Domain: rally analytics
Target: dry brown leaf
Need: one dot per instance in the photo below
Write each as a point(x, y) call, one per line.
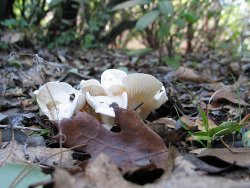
point(240, 156)
point(14, 152)
point(187, 74)
point(132, 148)
point(192, 122)
point(103, 174)
point(227, 95)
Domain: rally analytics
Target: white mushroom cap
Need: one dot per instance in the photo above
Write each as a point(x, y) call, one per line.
point(101, 104)
point(146, 89)
point(116, 90)
point(112, 77)
point(93, 87)
point(59, 100)
point(85, 83)
point(160, 97)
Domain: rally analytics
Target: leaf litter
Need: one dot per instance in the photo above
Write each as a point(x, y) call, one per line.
point(191, 91)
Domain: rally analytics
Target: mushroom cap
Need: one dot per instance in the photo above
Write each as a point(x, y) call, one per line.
point(116, 90)
point(112, 77)
point(85, 83)
point(59, 100)
point(93, 87)
point(160, 97)
point(101, 104)
point(146, 89)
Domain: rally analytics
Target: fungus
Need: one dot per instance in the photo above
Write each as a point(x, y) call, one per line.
point(59, 100)
point(102, 106)
point(144, 89)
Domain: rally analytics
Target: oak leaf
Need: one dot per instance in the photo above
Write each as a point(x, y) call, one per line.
point(134, 147)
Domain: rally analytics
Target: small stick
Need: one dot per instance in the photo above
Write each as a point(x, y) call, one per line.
point(20, 128)
point(139, 106)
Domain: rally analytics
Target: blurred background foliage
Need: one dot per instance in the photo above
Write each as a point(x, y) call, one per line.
point(170, 26)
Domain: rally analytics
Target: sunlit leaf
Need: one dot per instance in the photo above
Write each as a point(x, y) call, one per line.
point(128, 4)
point(190, 17)
point(147, 19)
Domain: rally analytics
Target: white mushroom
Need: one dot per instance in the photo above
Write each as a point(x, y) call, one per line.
point(101, 105)
point(112, 77)
point(85, 83)
point(59, 100)
point(144, 89)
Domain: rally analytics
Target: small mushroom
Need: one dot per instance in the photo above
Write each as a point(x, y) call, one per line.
point(144, 89)
point(59, 100)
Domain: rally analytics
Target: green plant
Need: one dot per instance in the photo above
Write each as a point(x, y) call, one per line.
point(211, 134)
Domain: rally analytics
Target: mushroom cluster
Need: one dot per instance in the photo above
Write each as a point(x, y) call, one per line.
point(59, 100)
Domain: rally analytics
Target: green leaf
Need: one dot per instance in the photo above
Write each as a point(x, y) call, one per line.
point(54, 3)
point(246, 139)
point(190, 17)
point(11, 172)
point(200, 137)
point(128, 4)
point(164, 30)
point(166, 7)
point(224, 129)
point(180, 23)
point(147, 19)
point(173, 62)
point(204, 119)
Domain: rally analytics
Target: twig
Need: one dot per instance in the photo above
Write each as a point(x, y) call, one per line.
point(139, 106)
point(20, 128)
point(4, 93)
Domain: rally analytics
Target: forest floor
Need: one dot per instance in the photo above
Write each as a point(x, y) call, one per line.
point(205, 89)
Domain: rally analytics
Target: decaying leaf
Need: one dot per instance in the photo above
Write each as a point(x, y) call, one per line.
point(14, 152)
point(192, 122)
point(238, 156)
point(134, 147)
point(227, 95)
point(103, 174)
point(187, 74)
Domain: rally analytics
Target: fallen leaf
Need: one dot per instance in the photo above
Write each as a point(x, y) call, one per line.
point(227, 95)
point(239, 156)
point(187, 74)
point(14, 152)
point(132, 148)
point(10, 174)
point(170, 136)
point(193, 122)
point(102, 173)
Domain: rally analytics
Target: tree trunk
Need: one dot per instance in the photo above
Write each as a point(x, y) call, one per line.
point(65, 17)
point(6, 9)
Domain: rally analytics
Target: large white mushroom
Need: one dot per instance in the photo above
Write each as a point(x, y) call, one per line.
point(59, 100)
point(146, 90)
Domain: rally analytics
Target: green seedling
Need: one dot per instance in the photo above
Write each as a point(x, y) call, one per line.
point(211, 134)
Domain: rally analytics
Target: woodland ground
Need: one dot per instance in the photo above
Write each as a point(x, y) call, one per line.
point(216, 83)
